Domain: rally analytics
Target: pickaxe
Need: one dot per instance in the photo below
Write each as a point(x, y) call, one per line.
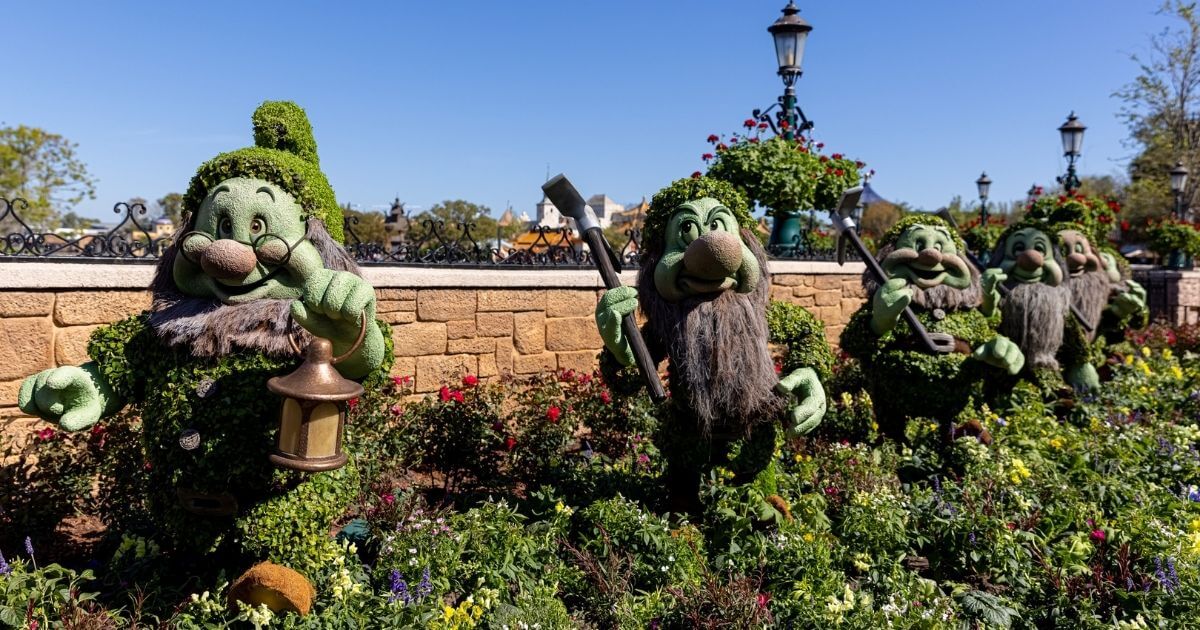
point(946, 216)
point(567, 199)
point(936, 343)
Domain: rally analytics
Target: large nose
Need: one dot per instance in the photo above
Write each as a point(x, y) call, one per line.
point(1030, 260)
point(227, 259)
point(929, 257)
point(714, 256)
point(1076, 261)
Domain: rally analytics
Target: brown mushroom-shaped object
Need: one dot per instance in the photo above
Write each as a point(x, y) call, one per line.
point(280, 588)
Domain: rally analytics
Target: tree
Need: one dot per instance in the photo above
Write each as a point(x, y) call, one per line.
point(878, 217)
point(454, 214)
point(171, 206)
point(369, 228)
point(42, 168)
point(1160, 110)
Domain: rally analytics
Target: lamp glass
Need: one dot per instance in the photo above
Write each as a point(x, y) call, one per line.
point(323, 430)
point(984, 185)
point(289, 426)
point(789, 47)
point(1179, 177)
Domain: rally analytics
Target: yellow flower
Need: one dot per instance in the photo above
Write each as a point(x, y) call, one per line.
point(1146, 352)
point(808, 537)
point(559, 508)
point(797, 458)
point(1145, 368)
point(1019, 472)
point(1176, 372)
point(1167, 354)
point(1056, 442)
point(1129, 359)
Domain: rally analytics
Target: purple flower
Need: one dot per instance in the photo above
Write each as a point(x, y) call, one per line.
point(399, 589)
point(28, 547)
point(971, 538)
point(4, 568)
point(425, 587)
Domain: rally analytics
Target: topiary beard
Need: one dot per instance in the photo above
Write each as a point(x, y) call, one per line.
point(1033, 315)
point(209, 328)
point(1089, 294)
point(717, 344)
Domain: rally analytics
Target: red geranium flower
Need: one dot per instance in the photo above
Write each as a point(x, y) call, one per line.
point(696, 175)
point(553, 414)
point(457, 395)
point(749, 122)
point(510, 443)
point(352, 403)
point(444, 394)
point(762, 125)
point(753, 140)
point(46, 434)
point(820, 145)
point(706, 157)
point(470, 380)
point(713, 138)
point(1098, 536)
point(605, 397)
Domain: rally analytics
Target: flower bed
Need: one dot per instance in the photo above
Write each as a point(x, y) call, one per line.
point(540, 504)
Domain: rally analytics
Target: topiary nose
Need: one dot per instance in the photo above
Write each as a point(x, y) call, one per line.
point(929, 257)
point(228, 259)
point(1076, 261)
point(1030, 260)
point(714, 256)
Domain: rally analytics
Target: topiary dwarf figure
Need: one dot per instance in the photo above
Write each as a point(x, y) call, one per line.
point(703, 286)
point(1036, 313)
point(260, 249)
point(1127, 308)
point(926, 269)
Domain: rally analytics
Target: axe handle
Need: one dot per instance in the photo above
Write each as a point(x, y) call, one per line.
point(881, 278)
point(1004, 291)
point(599, 247)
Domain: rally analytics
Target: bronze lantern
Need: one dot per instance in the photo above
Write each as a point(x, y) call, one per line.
point(313, 415)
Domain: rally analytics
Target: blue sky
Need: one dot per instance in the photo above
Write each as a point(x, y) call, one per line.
point(472, 100)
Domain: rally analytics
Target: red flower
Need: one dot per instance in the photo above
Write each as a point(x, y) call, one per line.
point(763, 600)
point(553, 414)
point(778, 368)
point(749, 122)
point(352, 403)
point(444, 394)
point(470, 380)
point(733, 140)
point(859, 164)
point(397, 410)
point(783, 124)
point(457, 396)
point(388, 499)
point(1098, 536)
point(510, 443)
point(837, 156)
point(706, 157)
point(820, 145)
point(46, 434)
point(605, 397)
point(696, 175)
point(824, 159)
point(839, 172)
point(566, 376)
point(712, 138)
point(401, 381)
point(585, 378)
point(831, 491)
point(753, 140)
point(762, 125)
point(721, 147)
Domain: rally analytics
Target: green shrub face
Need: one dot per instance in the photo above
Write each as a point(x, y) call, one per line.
point(1030, 239)
point(927, 256)
point(250, 226)
point(699, 226)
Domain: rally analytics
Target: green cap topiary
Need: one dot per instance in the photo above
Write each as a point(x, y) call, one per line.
point(681, 191)
point(907, 221)
point(285, 154)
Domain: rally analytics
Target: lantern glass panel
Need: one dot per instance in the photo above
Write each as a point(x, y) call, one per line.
point(1178, 179)
point(789, 47)
point(289, 426)
point(984, 187)
point(1072, 140)
point(323, 431)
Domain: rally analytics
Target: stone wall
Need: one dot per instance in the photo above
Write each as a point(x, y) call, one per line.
point(1173, 295)
point(444, 321)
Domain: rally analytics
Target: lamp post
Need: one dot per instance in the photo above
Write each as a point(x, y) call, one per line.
point(983, 184)
point(1071, 133)
point(790, 33)
point(1179, 177)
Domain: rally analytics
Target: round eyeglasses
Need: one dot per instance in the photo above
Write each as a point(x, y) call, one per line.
point(269, 249)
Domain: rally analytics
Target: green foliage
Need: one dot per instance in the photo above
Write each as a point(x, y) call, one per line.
point(980, 238)
point(43, 169)
point(803, 336)
point(50, 596)
point(1094, 216)
point(681, 191)
point(784, 174)
point(447, 220)
point(461, 434)
point(1170, 235)
point(283, 126)
point(908, 221)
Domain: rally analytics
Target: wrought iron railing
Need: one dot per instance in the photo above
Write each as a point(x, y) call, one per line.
point(436, 243)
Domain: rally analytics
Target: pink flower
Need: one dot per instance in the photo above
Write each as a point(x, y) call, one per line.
point(605, 397)
point(1098, 536)
point(46, 434)
point(444, 394)
point(470, 380)
point(643, 458)
point(401, 381)
point(457, 396)
point(397, 410)
point(763, 600)
point(388, 499)
point(553, 414)
point(352, 403)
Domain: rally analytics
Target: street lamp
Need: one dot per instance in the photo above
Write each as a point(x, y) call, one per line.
point(790, 33)
point(983, 184)
point(1179, 177)
point(1072, 142)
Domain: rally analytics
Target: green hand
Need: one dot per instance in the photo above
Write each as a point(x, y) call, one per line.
point(990, 282)
point(889, 302)
point(613, 306)
point(75, 397)
point(1001, 352)
point(1083, 377)
point(333, 305)
point(1129, 302)
point(805, 386)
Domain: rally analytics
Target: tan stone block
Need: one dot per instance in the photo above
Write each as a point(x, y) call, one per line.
point(435, 371)
point(804, 291)
point(26, 346)
point(853, 288)
point(9, 391)
point(404, 317)
point(404, 366)
point(807, 301)
point(98, 307)
point(585, 361)
point(397, 294)
point(783, 294)
point(443, 305)
point(487, 366)
point(535, 363)
point(464, 329)
point(850, 306)
point(504, 355)
point(829, 298)
point(472, 346)
point(827, 282)
point(562, 303)
point(418, 338)
point(833, 335)
point(787, 280)
point(510, 300)
point(70, 344)
point(831, 315)
point(529, 332)
point(395, 306)
point(494, 324)
point(572, 333)
point(25, 304)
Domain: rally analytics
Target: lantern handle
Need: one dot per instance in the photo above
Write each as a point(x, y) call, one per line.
point(362, 334)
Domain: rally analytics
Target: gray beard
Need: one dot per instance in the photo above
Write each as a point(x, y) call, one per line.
point(942, 296)
point(1089, 294)
point(718, 350)
point(1033, 315)
point(206, 327)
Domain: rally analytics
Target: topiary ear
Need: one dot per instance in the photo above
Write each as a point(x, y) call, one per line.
point(282, 125)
